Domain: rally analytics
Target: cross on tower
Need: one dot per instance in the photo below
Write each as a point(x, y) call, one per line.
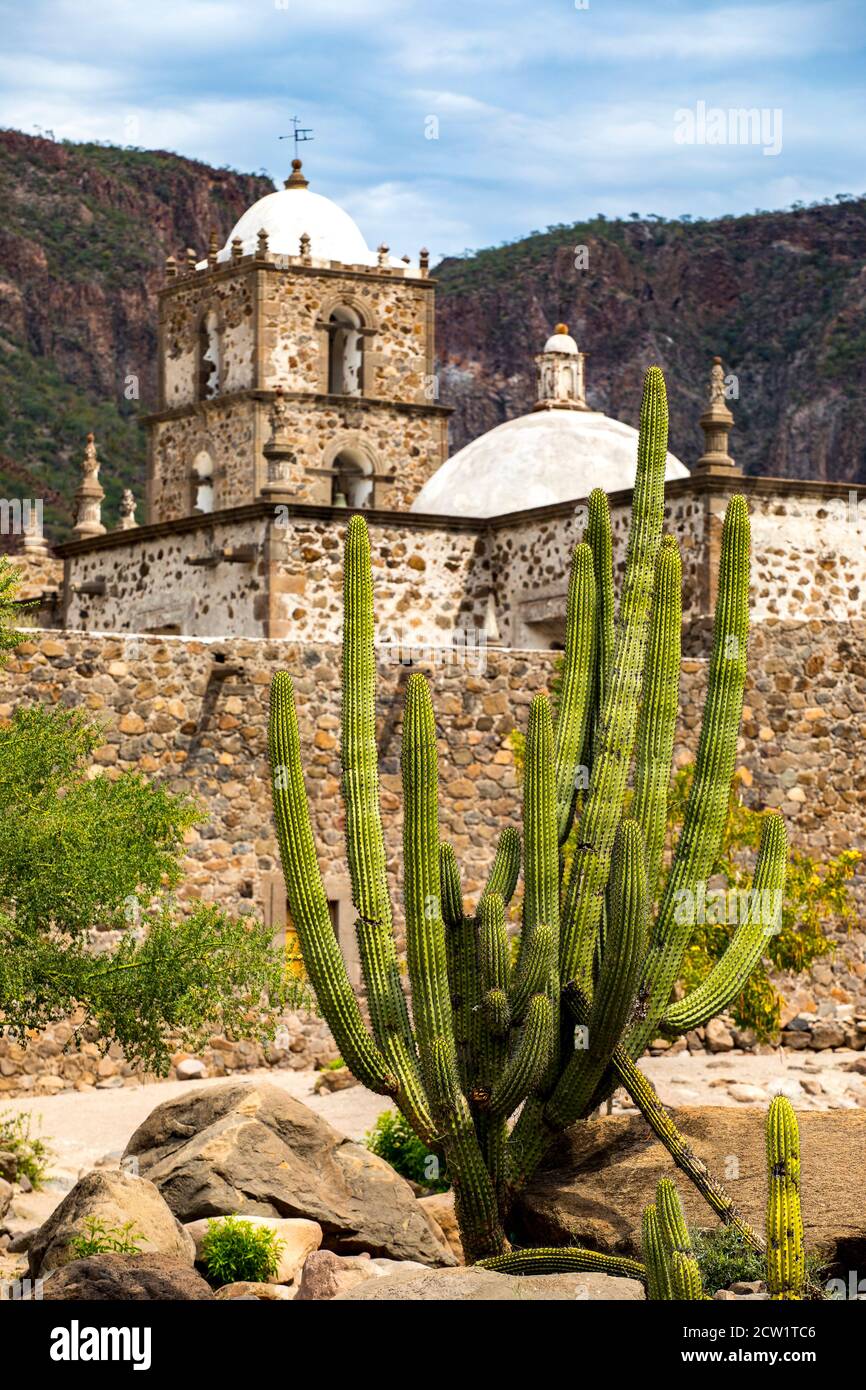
point(299, 134)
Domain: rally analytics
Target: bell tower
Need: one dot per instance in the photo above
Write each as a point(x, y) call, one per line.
point(294, 361)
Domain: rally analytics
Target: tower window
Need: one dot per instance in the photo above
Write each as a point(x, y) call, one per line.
point(209, 357)
point(202, 483)
point(345, 353)
point(352, 485)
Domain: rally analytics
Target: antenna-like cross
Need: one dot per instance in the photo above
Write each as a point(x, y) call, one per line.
point(299, 134)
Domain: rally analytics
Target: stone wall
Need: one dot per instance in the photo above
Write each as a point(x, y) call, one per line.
point(194, 712)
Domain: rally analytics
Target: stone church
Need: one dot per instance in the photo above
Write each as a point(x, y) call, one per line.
point(297, 382)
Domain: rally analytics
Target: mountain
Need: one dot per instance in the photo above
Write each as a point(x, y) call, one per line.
point(85, 232)
point(780, 296)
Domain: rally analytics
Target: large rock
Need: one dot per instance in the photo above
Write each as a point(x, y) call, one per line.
point(439, 1211)
point(326, 1275)
point(481, 1286)
point(597, 1180)
point(112, 1199)
point(7, 1192)
point(252, 1148)
point(125, 1278)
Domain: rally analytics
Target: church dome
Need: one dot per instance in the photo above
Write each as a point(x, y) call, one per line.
point(292, 211)
point(557, 453)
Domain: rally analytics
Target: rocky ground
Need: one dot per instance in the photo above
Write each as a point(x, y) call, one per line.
point(268, 1125)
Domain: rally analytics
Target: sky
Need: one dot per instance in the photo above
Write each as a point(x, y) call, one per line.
point(461, 125)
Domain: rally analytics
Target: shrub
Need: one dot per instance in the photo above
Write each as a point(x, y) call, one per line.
point(393, 1139)
point(31, 1154)
point(235, 1251)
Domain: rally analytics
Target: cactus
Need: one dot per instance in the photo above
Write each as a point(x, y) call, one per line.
point(671, 1268)
point(489, 1038)
point(786, 1267)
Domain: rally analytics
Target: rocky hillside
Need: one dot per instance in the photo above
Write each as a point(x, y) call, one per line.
point(781, 296)
point(84, 234)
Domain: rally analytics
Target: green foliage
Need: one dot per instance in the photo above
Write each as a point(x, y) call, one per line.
point(80, 852)
point(99, 1239)
point(393, 1139)
point(31, 1153)
point(234, 1251)
point(724, 1257)
point(817, 900)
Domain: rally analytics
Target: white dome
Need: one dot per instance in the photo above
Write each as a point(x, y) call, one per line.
point(560, 342)
point(546, 457)
point(288, 213)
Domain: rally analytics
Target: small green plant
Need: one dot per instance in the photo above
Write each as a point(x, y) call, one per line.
point(337, 1065)
point(99, 1239)
point(393, 1139)
point(30, 1153)
point(724, 1257)
point(234, 1250)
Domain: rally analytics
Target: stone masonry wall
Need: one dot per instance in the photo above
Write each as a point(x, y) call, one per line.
point(194, 712)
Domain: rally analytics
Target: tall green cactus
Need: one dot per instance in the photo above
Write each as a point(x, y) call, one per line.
point(548, 1036)
point(786, 1265)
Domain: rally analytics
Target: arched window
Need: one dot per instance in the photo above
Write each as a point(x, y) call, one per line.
point(209, 353)
point(345, 353)
point(352, 485)
point(202, 482)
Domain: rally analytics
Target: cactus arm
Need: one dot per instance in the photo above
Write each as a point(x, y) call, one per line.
point(785, 1260)
point(574, 1260)
point(686, 1281)
point(527, 1066)
point(474, 1193)
point(655, 1258)
point(600, 541)
point(657, 719)
point(618, 723)
point(645, 1097)
point(452, 893)
point(615, 994)
point(308, 904)
point(506, 866)
point(574, 708)
point(707, 807)
point(760, 920)
point(541, 843)
point(533, 971)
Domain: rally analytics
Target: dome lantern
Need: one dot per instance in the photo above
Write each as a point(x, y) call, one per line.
point(559, 373)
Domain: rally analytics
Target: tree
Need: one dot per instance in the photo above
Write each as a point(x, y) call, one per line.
point(80, 852)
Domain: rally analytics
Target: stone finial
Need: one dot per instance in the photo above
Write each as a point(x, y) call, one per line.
point(306, 244)
point(424, 260)
point(191, 259)
point(89, 496)
point(262, 244)
point(296, 178)
point(716, 423)
point(382, 254)
point(237, 248)
point(127, 511)
point(213, 247)
point(33, 543)
point(170, 268)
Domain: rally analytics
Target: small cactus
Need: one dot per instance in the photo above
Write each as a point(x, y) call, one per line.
point(786, 1265)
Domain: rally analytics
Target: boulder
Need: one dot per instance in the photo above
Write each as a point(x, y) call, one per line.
point(265, 1293)
point(7, 1192)
point(598, 1178)
point(251, 1148)
point(299, 1239)
point(439, 1210)
point(113, 1199)
point(482, 1286)
point(126, 1278)
point(326, 1275)
point(334, 1079)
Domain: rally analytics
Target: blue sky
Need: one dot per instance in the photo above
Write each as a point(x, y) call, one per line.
point(544, 111)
